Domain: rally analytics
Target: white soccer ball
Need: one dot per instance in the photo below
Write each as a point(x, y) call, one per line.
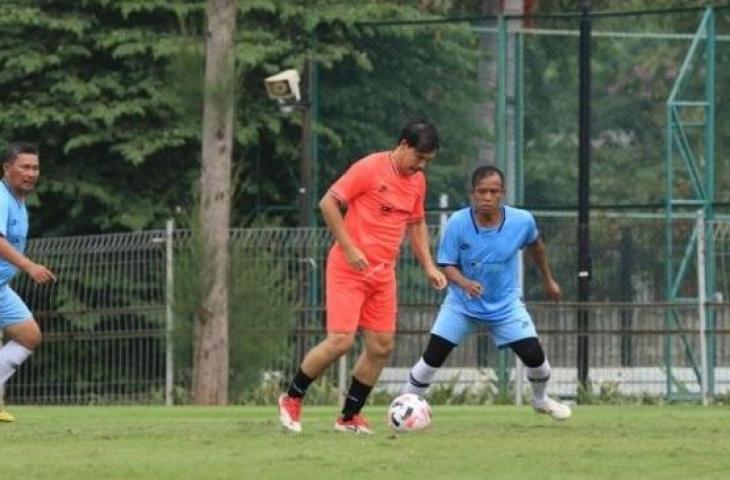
point(409, 413)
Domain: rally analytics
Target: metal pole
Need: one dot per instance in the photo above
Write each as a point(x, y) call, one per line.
point(626, 271)
point(584, 134)
point(307, 107)
point(313, 118)
point(501, 107)
point(702, 302)
point(342, 377)
point(305, 180)
point(711, 278)
point(443, 215)
point(519, 182)
point(169, 314)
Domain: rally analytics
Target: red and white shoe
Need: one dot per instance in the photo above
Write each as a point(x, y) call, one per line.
point(290, 411)
point(357, 424)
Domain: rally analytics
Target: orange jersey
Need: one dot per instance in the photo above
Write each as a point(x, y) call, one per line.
point(380, 204)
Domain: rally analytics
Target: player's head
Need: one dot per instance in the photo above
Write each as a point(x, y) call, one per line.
point(421, 135)
point(487, 188)
point(417, 145)
point(20, 167)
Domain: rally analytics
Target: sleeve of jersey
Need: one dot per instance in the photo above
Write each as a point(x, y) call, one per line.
point(532, 232)
point(4, 211)
point(418, 210)
point(353, 182)
point(448, 253)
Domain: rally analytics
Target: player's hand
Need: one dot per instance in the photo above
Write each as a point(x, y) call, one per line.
point(437, 278)
point(40, 274)
point(356, 259)
point(473, 289)
point(552, 290)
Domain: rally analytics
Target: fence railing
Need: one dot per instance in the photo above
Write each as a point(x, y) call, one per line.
point(106, 340)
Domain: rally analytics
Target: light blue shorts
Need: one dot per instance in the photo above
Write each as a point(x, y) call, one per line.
point(454, 326)
point(12, 309)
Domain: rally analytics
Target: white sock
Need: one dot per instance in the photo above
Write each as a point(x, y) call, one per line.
point(11, 356)
point(419, 378)
point(539, 377)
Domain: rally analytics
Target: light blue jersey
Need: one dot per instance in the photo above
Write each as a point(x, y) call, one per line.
point(490, 257)
point(14, 227)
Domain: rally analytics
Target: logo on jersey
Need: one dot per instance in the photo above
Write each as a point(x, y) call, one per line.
point(464, 246)
point(383, 188)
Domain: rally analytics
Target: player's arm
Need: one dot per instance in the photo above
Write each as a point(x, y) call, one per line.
point(421, 245)
point(471, 287)
point(331, 208)
point(539, 255)
point(37, 272)
point(449, 258)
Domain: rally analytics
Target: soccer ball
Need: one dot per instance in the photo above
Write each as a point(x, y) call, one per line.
point(409, 413)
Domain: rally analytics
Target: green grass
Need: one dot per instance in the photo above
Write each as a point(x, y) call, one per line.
point(466, 442)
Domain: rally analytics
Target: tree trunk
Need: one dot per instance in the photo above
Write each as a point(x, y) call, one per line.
point(210, 377)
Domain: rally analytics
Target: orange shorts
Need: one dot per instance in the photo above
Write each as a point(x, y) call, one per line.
point(364, 299)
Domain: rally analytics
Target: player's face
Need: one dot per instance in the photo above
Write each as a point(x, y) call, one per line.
point(22, 173)
point(411, 160)
point(488, 193)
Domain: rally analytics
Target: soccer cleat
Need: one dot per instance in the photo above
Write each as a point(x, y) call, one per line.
point(290, 410)
point(357, 424)
point(6, 417)
point(557, 410)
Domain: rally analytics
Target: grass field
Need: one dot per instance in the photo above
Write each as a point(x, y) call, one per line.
point(474, 442)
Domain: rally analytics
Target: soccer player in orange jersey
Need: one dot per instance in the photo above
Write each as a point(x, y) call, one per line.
point(382, 195)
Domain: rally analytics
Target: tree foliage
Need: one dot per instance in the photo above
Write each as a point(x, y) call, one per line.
point(111, 90)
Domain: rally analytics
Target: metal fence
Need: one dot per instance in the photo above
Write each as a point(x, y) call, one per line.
point(106, 337)
point(103, 322)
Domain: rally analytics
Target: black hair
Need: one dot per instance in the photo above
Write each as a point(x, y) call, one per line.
point(485, 171)
point(15, 149)
point(421, 135)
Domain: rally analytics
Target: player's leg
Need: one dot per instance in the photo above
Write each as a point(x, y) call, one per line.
point(344, 300)
point(24, 338)
point(378, 327)
point(377, 347)
point(518, 333)
point(318, 359)
point(532, 355)
point(21, 335)
point(447, 332)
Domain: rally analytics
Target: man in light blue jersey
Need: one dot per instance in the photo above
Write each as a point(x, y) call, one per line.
point(479, 255)
point(20, 175)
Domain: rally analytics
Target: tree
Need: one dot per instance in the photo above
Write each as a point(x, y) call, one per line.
point(210, 378)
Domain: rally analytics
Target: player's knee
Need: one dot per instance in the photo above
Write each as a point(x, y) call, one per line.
point(28, 336)
point(382, 347)
point(529, 351)
point(34, 341)
point(339, 344)
point(534, 358)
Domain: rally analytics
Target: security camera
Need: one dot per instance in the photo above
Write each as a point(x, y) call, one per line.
point(284, 87)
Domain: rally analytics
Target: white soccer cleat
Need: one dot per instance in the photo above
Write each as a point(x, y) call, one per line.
point(557, 410)
point(290, 410)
